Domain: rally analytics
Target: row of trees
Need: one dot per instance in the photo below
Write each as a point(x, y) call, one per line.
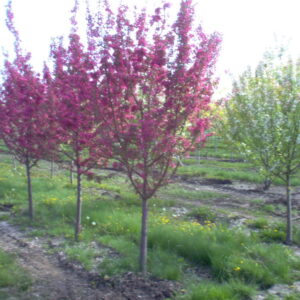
point(262, 120)
point(136, 94)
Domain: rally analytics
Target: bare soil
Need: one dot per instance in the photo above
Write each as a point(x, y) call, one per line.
point(56, 279)
point(241, 195)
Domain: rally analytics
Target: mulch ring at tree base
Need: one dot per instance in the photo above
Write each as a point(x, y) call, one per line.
point(131, 286)
point(134, 286)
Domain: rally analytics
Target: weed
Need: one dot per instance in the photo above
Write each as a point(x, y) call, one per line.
point(270, 208)
point(257, 201)
point(203, 213)
point(82, 253)
point(258, 223)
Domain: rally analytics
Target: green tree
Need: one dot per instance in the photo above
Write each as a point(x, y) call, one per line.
point(262, 120)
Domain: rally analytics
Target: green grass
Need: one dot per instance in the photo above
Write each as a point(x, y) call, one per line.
point(218, 173)
point(82, 253)
point(258, 223)
point(230, 254)
point(203, 213)
point(183, 193)
point(11, 275)
point(215, 147)
point(293, 296)
point(271, 232)
point(231, 174)
point(219, 164)
point(231, 290)
point(238, 263)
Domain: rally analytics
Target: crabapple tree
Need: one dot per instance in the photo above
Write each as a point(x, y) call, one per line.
point(156, 85)
point(23, 110)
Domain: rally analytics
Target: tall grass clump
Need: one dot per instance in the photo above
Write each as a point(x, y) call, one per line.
point(12, 275)
point(230, 254)
point(232, 290)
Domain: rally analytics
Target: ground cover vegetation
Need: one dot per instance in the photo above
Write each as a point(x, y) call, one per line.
point(186, 243)
point(128, 112)
point(11, 275)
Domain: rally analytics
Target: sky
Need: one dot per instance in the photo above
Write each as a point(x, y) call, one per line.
point(248, 28)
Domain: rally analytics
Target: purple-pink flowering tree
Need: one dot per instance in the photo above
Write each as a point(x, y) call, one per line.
point(73, 89)
point(23, 110)
point(156, 84)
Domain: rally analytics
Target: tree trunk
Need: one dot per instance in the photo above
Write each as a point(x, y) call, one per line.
point(71, 172)
point(180, 162)
point(267, 184)
point(78, 208)
point(289, 237)
point(144, 238)
point(30, 204)
point(51, 169)
point(14, 163)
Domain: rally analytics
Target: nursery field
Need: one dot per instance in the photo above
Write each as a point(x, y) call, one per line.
point(214, 233)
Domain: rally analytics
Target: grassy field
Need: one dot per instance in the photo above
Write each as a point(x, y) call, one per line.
point(190, 240)
point(12, 276)
point(216, 161)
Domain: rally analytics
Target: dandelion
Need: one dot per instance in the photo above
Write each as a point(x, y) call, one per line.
point(237, 269)
point(165, 220)
point(87, 217)
point(50, 201)
point(94, 223)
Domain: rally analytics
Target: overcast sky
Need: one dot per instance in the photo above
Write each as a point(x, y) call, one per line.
point(248, 27)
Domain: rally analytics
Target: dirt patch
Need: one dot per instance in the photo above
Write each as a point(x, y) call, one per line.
point(241, 196)
point(217, 181)
point(53, 279)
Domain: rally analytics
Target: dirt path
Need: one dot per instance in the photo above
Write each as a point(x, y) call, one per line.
point(54, 279)
point(240, 194)
point(50, 280)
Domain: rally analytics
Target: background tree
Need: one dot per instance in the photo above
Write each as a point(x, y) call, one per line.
point(73, 89)
point(23, 110)
point(156, 83)
point(262, 120)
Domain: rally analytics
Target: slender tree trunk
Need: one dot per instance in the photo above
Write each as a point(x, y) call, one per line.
point(79, 204)
point(289, 237)
point(267, 184)
point(29, 188)
point(14, 163)
point(51, 169)
point(144, 238)
point(71, 172)
point(180, 161)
